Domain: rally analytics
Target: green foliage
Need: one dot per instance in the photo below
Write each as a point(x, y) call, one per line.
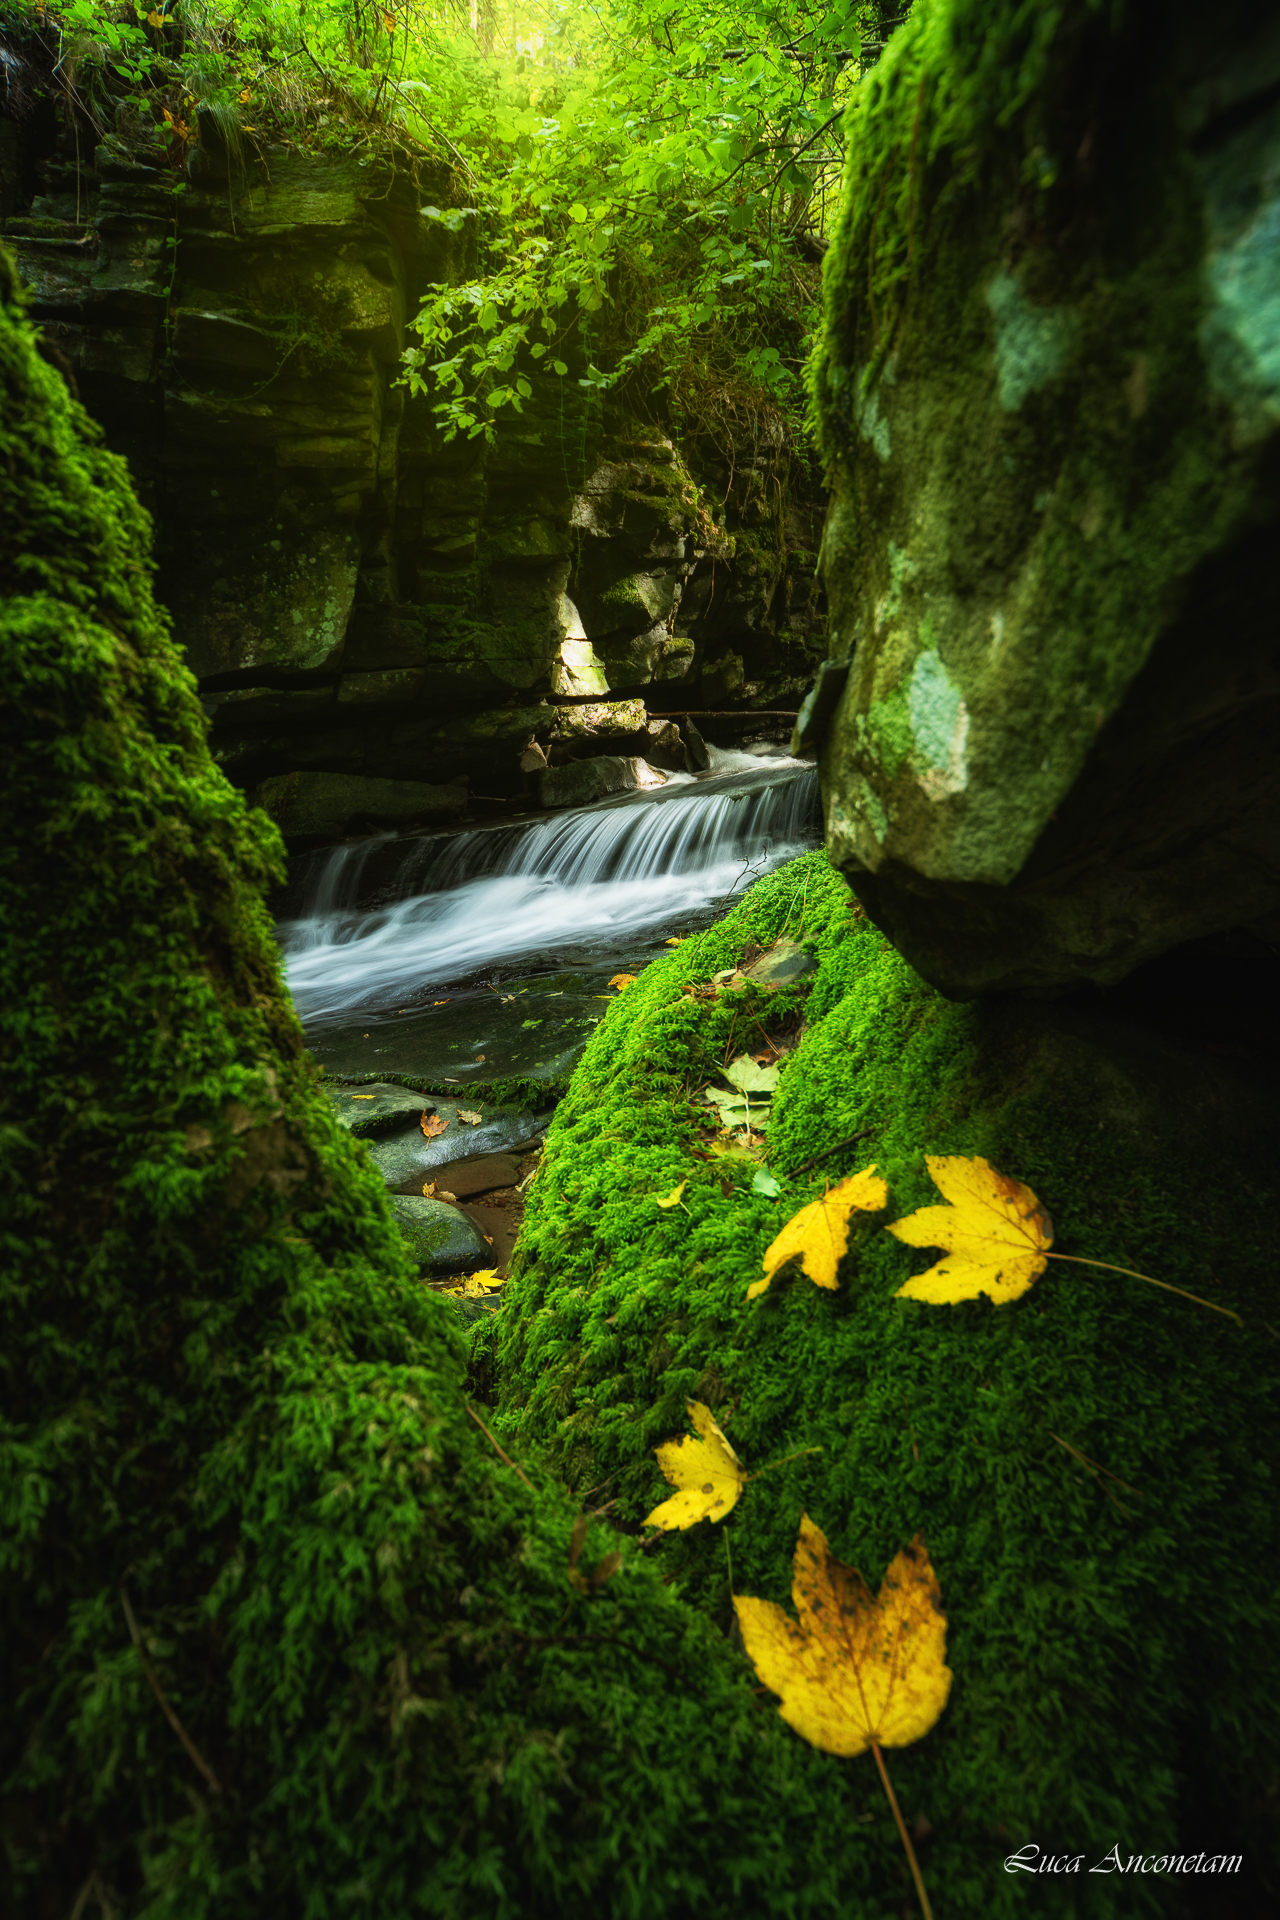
point(647, 173)
point(227, 1399)
point(1109, 1650)
point(638, 196)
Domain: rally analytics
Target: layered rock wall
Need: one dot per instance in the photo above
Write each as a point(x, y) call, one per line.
point(359, 598)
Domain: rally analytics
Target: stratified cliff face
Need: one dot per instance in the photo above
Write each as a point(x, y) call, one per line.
point(1051, 385)
point(356, 597)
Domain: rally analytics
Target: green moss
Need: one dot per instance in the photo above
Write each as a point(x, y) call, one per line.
point(1028, 450)
point(1113, 1669)
point(227, 1400)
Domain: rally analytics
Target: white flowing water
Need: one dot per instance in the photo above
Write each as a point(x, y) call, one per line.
point(596, 877)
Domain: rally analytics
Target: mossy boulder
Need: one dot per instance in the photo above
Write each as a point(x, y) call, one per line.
point(1050, 392)
point(237, 1468)
point(1091, 1466)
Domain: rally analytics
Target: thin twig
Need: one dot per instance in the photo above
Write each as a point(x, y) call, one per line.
point(165, 1708)
point(827, 1152)
point(798, 1454)
point(1092, 1467)
point(1133, 1274)
point(497, 1449)
point(804, 147)
point(902, 1829)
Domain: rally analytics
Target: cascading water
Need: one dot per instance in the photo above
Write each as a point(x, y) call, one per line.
point(598, 877)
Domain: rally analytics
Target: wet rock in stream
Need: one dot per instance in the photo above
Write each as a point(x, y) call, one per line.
point(440, 1238)
point(535, 1034)
point(408, 1156)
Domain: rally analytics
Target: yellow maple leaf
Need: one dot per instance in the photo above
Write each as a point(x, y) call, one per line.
point(155, 19)
point(432, 1124)
point(623, 980)
point(671, 1199)
point(995, 1233)
point(853, 1672)
point(707, 1471)
point(819, 1234)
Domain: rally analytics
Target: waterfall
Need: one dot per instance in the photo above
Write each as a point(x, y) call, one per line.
point(442, 909)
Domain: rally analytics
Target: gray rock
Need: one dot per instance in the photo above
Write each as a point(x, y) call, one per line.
point(440, 1237)
point(410, 1155)
point(699, 758)
point(464, 1178)
point(582, 781)
point(666, 749)
point(368, 1111)
point(785, 962)
point(327, 804)
point(1051, 548)
point(578, 725)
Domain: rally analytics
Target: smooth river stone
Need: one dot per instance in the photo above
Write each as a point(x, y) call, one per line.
point(376, 1108)
point(409, 1155)
point(466, 1177)
point(440, 1238)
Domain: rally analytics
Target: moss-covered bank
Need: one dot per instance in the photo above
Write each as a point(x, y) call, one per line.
point(1115, 1669)
point(228, 1402)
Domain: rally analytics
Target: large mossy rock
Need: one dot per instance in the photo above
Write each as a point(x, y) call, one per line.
point(1091, 1466)
point(1050, 388)
point(236, 1464)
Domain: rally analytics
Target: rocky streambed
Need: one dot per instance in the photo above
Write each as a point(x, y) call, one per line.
point(483, 961)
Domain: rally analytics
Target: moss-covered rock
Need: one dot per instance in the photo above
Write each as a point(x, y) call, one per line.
point(327, 805)
point(236, 1467)
point(1049, 387)
point(1091, 1467)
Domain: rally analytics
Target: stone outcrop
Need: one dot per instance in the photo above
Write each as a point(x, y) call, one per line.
point(327, 805)
point(581, 781)
point(357, 597)
point(1052, 389)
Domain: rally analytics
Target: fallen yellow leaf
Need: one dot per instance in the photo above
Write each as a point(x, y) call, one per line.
point(429, 1189)
point(995, 1233)
point(819, 1234)
point(677, 942)
point(707, 1471)
point(622, 980)
point(155, 19)
point(439, 1003)
point(468, 1119)
point(671, 1199)
point(452, 1198)
point(853, 1672)
point(432, 1124)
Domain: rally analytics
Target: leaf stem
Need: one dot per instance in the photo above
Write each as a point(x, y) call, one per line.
point(902, 1829)
point(1077, 1260)
point(159, 1693)
point(497, 1449)
point(782, 1463)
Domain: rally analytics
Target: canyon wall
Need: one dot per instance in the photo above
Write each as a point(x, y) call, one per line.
point(381, 621)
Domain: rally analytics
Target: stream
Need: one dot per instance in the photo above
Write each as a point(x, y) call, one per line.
point(484, 954)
